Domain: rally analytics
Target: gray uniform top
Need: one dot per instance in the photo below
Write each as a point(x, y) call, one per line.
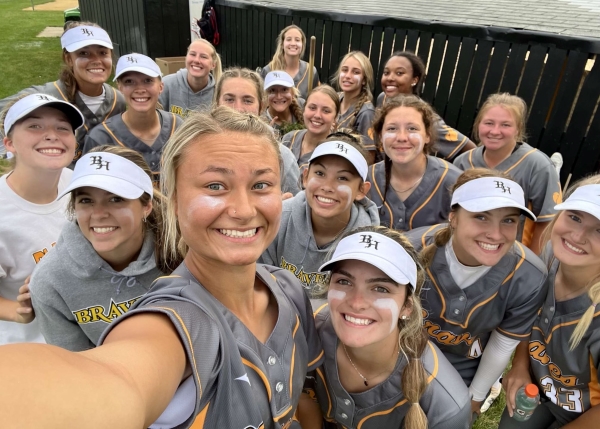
point(114, 131)
point(177, 96)
point(301, 78)
point(295, 248)
point(239, 381)
point(363, 123)
point(446, 400)
point(76, 294)
point(113, 104)
point(460, 321)
point(449, 140)
point(428, 204)
point(293, 141)
point(530, 168)
point(569, 379)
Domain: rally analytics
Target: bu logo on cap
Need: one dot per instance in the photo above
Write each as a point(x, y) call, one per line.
point(87, 32)
point(43, 97)
point(97, 160)
point(368, 240)
point(342, 148)
point(131, 60)
point(500, 185)
point(276, 75)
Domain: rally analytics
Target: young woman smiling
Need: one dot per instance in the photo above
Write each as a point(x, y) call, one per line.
point(87, 65)
point(283, 104)
point(485, 288)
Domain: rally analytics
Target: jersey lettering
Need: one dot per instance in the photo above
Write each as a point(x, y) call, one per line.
point(537, 351)
point(37, 256)
point(98, 313)
point(180, 111)
point(449, 338)
point(567, 399)
point(475, 351)
point(307, 279)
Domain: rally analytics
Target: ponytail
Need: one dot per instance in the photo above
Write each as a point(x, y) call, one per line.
point(440, 239)
point(295, 108)
point(414, 384)
point(588, 316)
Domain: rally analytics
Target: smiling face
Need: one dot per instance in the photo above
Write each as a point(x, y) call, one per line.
point(498, 129)
point(91, 64)
point(43, 140)
point(404, 135)
point(575, 239)
point(365, 304)
point(228, 198)
point(483, 238)
point(352, 78)
point(112, 224)
point(198, 61)
point(398, 77)
point(280, 98)
point(141, 91)
point(292, 42)
point(319, 113)
point(239, 94)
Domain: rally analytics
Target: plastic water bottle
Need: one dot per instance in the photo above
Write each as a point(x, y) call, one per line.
point(527, 399)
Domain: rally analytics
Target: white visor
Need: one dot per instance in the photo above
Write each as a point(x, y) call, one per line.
point(585, 198)
point(489, 193)
point(137, 63)
point(381, 252)
point(84, 35)
point(344, 150)
point(28, 104)
point(278, 78)
point(112, 173)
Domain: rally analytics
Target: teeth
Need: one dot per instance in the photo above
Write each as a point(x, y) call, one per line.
point(96, 70)
point(104, 230)
point(486, 246)
point(141, 100)
point(316, 124)
point(573, 248)
point(390, 88)
point(51, 151)
point(238, 234)
point(356, 321)
point(325, 200)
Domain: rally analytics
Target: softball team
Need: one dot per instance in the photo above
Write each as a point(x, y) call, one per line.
point(143, 127)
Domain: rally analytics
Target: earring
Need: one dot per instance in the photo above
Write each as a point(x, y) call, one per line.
point(144, 219)
point(413, 84)
point(405, 317)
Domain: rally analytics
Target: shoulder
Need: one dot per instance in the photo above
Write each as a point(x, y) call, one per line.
point(462, 160)
point(441, 164)
point(367, 108)
point(380, 99)
point(528, 261)
point(423, 236)
point(293, 204)
point(376, 169)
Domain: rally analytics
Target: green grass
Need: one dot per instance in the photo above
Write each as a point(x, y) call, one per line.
point(491, 418)
point(26, 60)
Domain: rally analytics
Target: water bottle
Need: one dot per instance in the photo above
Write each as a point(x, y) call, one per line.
point(526, 400)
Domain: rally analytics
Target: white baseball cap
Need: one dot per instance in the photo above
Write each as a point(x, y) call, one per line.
point(278, 78)
point(585, 198)
point(28, 104)
point(489, 193)
point(381, 252)
point(344, 150)
point(109, 172)
point(84, 35)
point(137, 63)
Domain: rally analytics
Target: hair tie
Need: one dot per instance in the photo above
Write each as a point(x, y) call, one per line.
point(594, 305)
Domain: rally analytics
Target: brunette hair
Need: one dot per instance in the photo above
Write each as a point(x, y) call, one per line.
point(417, 65)
point(242, 73)
point(366, 90)
point(218, 70)
point(278, 61)
point(515, 105)
point(330, 92)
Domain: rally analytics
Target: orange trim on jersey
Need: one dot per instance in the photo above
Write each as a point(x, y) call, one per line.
point(200, 418)
point(514, 335)
point(260, 374)
point(319, 309)
point(114, 104)
point(425, 234)
point(594, 384)
point(572, 322)
point(303, 77)
point(189, 339)
point(459, 146)
point(293, 355)
point(430, 196)
point(320, 374)
point(470, 158)
point(435, 363)
point(173, 126)
point(381, 413)
point(549, 216)
point(60, 92)
point(315, 360)
point(510, 276)
point(381, 196)
point(521, 160)
point(294, 140)
point(283, 414)
point(112, 134)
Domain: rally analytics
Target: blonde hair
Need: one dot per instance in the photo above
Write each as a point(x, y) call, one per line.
point(366, 91)
point(412, 338)
point(443, 235)
point(516, 106)
point(67, 77)
point(594, 283)
point(241, 73)
point(295, 108)
point(218, 70)
point(278, 61)
point(219, 120)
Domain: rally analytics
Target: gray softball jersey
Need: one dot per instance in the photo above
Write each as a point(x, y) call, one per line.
point(113, 131)
point(177, 96)
point(239, 381)
point(429, 204)
point(293, 141)
point(363, 123)
point(569, 379)
point(113, 104)
point(449, 140)
point(301, 78)
point(446, 401)
point(460, 321)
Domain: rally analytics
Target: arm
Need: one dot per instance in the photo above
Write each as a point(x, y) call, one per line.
point(518, 376)
point(589, 419)
point(309, 413)
point(134, 375)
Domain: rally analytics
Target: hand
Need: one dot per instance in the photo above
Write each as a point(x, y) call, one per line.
point(516, 378)
point(476, 407)
point(24, 312)
point(286, 196)
point(274, 121)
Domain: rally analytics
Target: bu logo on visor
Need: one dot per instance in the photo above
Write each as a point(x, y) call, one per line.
point(43, 97)
point(87, 32)
point(342, 148)
point(97, 160)
point(500, 185)
point(368, 240)
point(276, 75)
point(131, 60)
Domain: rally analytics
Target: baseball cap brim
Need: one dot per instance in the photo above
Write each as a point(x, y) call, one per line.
point(279, 82)
point(580, 205)
point(143, 70)
point(492, 203)
point(114, 185)
point(74, 116)
point(88, 42)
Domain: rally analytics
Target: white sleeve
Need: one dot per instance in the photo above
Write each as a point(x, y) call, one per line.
point(493, 362)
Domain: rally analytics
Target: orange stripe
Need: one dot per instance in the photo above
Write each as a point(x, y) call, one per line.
point(456, 148)
point(112, 135)
point(315, 360)
point(173, 126)
point(425, 234)
point(514, 335)
point(471, 158)
point(594, 385)
point(293, 139)
point(510, 276)
point(320, 374)
point(521, 160)
point(260, 374)
point(381, 413)
point(319, 309)
point(435, 363)
point(293, 355)
point(113, 106)
point(550, 216)
point(200, 418)
point(303, 77)
point(60, 92)
point(572, 322)
point(282, 414)
point(430, 196)
point(381, 196)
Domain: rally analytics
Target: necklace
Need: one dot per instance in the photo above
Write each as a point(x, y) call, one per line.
point(411, 187)
point(356, 369)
